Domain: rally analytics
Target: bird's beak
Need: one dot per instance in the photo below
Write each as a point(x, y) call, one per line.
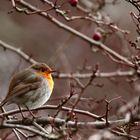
point(52, 71)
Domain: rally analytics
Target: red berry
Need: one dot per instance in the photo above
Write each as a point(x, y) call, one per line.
point(73, 2)
point(97, 36)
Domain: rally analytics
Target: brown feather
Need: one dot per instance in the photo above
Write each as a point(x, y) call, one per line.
point(22, 83)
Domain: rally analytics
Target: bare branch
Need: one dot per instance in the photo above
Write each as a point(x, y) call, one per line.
point(78, 34)
point(5, 125)
point(78, 75)
point(61, 122)
point(53, 107)
point(18, 51)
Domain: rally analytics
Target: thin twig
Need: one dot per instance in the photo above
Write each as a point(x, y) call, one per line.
point(105, 48)
point(83, 88)
point(62, 75)
point(5, 125)
point(18, 51)
point(61, 122)
point(78, 75)
point(13, 129)
point(39, 127)
point(53, 107)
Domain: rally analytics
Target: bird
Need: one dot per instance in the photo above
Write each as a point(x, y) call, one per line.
point(30, 88)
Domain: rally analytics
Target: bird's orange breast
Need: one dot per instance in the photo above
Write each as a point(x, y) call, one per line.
point(49, 78)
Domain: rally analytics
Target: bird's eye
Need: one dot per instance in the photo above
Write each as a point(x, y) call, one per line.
point(43, 70)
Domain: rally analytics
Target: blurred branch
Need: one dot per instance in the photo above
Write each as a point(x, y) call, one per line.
point(13, 3)
point(135, 3)
point(13, 129)
point(53, 107)
point(17, 51)
point(103, 47)
point(84, 87)
point(23, 127)
point(89, 17)
point(124, 134)
point(62, 75)
point(100, 124)
point(62, 122)
point(97, 74)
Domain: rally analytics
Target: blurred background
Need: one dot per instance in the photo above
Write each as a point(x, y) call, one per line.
point(65, 52)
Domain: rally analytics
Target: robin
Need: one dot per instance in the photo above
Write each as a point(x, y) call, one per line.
point(30, 88)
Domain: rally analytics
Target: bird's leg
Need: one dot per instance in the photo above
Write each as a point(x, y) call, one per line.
point(33, 115)
point(3, 111)
point(21, 112)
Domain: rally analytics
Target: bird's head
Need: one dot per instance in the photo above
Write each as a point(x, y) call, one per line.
point(42, 68)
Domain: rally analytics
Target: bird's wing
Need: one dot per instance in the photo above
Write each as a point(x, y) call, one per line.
point(21, 83)
point(19, 77)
